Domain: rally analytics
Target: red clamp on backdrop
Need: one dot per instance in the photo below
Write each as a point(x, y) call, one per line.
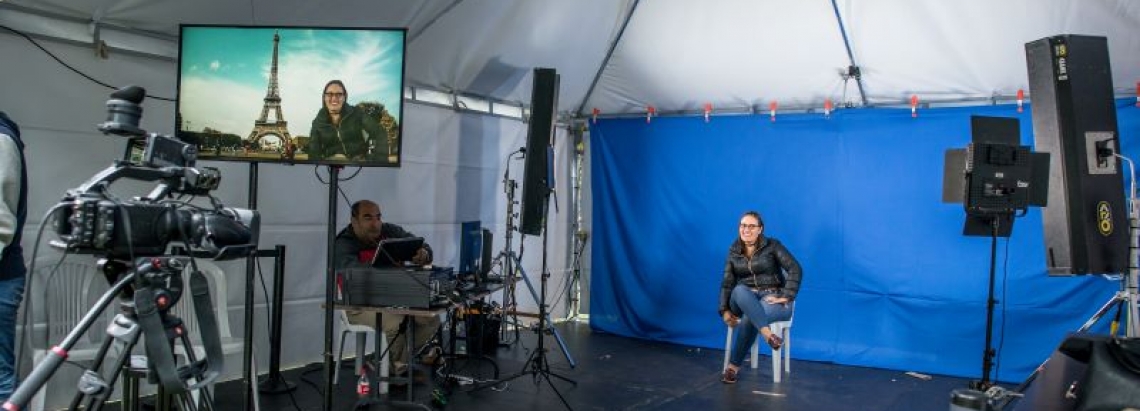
point(1020, 100)
point(772, 110)
point(827, 106)
point(594, 118)
point(649, 113)
point(708, 110)
point(914, 105)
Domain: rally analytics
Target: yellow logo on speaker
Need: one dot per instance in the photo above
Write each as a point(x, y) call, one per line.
point(1103, 218)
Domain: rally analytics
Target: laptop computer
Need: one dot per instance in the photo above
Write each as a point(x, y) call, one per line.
point(393, 252)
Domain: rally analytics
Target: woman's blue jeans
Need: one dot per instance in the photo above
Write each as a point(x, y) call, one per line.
point(751, 304)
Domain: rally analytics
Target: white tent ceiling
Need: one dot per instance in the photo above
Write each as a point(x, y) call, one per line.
point(676, 55)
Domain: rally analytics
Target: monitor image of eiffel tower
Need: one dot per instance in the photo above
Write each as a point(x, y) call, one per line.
point(263, 128)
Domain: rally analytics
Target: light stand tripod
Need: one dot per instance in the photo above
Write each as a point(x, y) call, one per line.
point(507, 257)
point(512, 267)
point(574, 289)
point(537, 365)
point(1126, 300)
point(148, 291)
point(543, 315)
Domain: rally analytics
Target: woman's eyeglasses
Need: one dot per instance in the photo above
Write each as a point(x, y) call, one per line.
point(749, 226)
point(334, 95)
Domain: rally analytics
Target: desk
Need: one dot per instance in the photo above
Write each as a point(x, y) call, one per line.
point(409, 334)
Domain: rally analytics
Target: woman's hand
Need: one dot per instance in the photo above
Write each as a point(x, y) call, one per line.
point(774, 299)
point(729, 319)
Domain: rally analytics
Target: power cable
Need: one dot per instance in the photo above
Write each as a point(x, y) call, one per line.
point(68, 66)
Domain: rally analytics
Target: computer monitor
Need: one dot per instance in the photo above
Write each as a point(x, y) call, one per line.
point(395, 251)
point(469, 246)
point(485, 257)
point(475, 250)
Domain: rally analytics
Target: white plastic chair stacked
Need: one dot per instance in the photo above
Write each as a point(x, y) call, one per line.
point(219, 297)
point(59, 300)
point(361, 332)
point(781, 358)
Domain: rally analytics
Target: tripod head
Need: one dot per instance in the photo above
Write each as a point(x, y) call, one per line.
point(158, 287)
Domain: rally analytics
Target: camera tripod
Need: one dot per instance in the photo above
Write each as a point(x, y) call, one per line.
point(148, 291)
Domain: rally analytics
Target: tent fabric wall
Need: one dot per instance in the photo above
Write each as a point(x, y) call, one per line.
point(889, 280)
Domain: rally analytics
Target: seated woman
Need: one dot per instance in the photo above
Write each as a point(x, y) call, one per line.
point(756, 286)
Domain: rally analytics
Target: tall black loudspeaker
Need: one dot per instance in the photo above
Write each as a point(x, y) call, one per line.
point(1086, 226)
point(537, 177)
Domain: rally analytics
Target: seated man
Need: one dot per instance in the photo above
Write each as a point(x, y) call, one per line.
point(355, 247)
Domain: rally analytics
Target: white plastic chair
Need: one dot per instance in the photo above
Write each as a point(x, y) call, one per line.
point(184, 309)
point(59, 298)
point(782, 356)
point(361, 332)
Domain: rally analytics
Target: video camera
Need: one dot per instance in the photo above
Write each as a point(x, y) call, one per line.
point(94, 222)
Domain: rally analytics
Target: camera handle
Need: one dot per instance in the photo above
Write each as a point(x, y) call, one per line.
point(103, 179)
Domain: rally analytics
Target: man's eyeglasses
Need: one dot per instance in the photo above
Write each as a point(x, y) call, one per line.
point(334, 95)
point(749, 226)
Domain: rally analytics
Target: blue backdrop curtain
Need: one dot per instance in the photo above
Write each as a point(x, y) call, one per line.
point(889, 279)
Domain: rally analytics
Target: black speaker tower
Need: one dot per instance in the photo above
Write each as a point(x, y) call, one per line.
point(1074, 119)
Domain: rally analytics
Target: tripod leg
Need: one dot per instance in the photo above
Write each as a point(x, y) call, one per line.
point(99, 357)
point(1116, 299)
point(540, 367)
point(123, 334)
point(549, 323)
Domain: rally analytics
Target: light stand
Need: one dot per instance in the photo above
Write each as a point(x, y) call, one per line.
point(510, 303)
point(537, 298)
point(537, 364)
point(574, 308)
point(512, 267)
point(996, 179)
point(988, 353)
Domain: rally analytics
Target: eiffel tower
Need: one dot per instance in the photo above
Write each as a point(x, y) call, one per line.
point(263, 127)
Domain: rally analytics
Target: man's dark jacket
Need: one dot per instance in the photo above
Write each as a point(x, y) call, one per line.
point(348, 248)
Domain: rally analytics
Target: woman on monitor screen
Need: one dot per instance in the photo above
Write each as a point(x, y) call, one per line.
point(342, 131)
point(761, 279)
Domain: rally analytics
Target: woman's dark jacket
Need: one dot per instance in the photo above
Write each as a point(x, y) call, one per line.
point(772, 266)
point(349, 138)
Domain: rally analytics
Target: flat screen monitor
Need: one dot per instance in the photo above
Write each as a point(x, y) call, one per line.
point(292, 94)
point(470, 242)
point(396, 251)
point(475, 250)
